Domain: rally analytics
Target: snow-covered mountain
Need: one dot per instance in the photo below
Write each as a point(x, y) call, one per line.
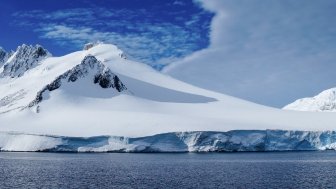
point(30, 74)
point(323, 102)
point(25, 58)
point(97, 91)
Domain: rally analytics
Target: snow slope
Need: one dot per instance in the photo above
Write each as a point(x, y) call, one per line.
point(150, 102)
point(323, 102)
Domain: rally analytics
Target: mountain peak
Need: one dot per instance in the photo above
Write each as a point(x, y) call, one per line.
point(103, 75)
point(90, 66)
point(24, 58)
point(90, 60)
point(88, 46)
point(323, 102)
point(91, 45)
point(36, 51)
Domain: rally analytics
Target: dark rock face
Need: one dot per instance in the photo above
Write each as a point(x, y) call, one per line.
point(123, 56)
point(40, 52)
point(106, 80)
point(4, 56)
point(102, 75)
point(25, 58)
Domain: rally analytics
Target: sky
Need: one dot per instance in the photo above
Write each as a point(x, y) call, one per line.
point(268, 52)
point(149, 31)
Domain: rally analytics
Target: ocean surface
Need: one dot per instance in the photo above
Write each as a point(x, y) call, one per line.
point(164, 170)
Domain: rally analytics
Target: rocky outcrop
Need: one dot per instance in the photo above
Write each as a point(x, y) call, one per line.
point(89, 67)
point(3, 56)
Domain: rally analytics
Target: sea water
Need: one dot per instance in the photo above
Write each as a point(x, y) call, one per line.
point(168, 170)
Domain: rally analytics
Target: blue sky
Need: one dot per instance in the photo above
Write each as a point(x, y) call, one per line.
point(150, 31)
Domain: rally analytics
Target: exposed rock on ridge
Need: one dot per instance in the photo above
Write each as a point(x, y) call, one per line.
point(90, 65)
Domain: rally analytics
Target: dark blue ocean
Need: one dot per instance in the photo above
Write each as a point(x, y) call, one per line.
point(185, 170)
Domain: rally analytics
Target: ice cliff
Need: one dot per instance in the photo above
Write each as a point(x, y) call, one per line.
point(231, 141)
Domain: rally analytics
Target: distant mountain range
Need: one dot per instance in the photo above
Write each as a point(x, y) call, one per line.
point(323, 102)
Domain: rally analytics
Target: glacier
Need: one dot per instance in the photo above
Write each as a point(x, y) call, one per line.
point(196, 141)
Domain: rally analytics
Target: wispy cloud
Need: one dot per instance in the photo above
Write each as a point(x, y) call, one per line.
point(178, 3)
point(141, 34)
point(64, 15)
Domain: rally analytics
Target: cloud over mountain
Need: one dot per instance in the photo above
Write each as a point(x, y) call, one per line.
point(262, 51)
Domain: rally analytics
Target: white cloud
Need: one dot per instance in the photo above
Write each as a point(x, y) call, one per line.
point(178, 2)
point(141, 45)
point(268, 52)
point(144, 40)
